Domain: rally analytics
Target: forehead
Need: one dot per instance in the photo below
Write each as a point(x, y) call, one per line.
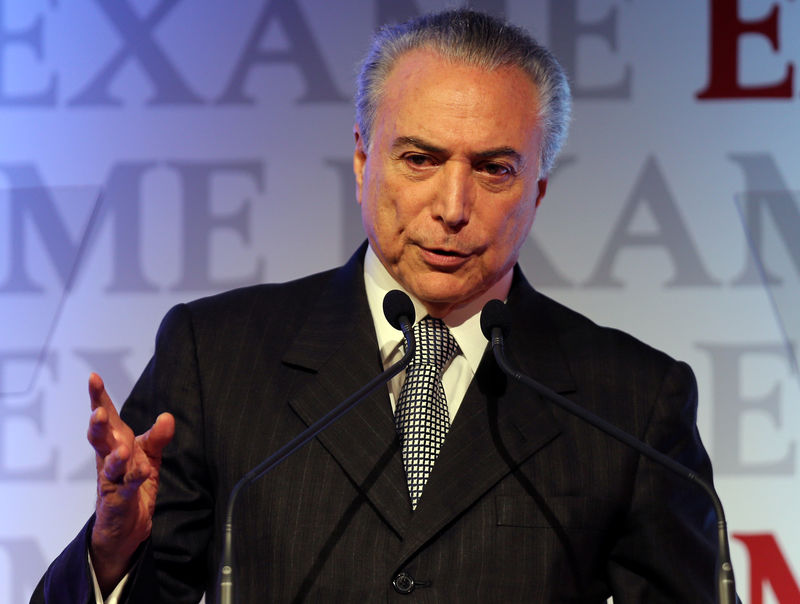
point(426, 94)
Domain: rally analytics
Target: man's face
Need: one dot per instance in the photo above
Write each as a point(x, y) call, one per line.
point(449, 187)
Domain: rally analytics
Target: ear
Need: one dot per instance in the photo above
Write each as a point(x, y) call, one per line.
point(542, 190)
point(359, 161)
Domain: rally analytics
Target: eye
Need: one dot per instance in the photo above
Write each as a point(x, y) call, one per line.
point(418, 160)
point(496, 169)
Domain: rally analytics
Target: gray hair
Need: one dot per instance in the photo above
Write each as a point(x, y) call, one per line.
point(475, 39)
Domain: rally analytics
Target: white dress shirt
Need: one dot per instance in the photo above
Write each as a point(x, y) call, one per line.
point(464, 323)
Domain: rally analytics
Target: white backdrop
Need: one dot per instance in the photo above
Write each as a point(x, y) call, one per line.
point(217, 137)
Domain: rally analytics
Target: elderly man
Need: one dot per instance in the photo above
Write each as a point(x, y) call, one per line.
point(459, 120)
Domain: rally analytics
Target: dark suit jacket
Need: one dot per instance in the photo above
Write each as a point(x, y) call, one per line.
point(525, 503)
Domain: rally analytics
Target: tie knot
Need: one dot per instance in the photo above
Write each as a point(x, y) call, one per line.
point(435, 344)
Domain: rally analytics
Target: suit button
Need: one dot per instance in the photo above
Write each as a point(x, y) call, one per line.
point(403, 583)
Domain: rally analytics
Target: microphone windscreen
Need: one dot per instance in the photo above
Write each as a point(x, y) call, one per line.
point(495, 314)
point(397, 304)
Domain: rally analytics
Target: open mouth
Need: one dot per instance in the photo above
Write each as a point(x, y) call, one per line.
point(447, 253)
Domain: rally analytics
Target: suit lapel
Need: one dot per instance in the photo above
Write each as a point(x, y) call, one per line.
point(338, 344)
point(499, 425)
point(500, 422)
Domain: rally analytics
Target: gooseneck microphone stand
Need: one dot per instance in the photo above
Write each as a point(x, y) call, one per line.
point(399, 311)
point(495, 324)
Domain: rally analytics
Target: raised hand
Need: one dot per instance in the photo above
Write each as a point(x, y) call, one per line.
point(127, 484)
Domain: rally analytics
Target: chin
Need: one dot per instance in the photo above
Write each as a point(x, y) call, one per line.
point(443, 296)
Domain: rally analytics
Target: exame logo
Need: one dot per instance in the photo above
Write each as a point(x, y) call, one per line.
point(768, 566)
point(727, 29)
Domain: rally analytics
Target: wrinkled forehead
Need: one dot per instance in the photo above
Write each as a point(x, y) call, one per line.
point(440, 99)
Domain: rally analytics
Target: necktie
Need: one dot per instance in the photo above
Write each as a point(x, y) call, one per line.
point(421, 416)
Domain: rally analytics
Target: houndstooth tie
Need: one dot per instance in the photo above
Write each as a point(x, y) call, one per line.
point(421, 417)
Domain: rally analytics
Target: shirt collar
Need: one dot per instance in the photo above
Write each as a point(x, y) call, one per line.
point(463, 321)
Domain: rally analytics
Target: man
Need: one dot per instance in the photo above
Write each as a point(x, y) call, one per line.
point(459, 120)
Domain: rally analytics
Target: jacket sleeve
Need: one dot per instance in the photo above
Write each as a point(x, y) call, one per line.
point(67, 580)
point(171, 564)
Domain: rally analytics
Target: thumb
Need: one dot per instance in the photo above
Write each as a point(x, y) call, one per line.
point(158, 436)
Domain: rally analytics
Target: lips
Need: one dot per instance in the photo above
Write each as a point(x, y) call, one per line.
point(444, 258)
point(445, 252)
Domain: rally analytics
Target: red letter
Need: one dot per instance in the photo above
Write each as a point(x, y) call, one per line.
point(726, 29)
point(767, 565)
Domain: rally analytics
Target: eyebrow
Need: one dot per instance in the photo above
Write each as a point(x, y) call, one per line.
point(500, 152)
point(413, 141)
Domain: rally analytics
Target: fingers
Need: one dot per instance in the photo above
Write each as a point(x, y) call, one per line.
point(100, 434)
point(114, 442)
point(106, 430)
point(115, 465)
point(127, 476)
point(99, 397)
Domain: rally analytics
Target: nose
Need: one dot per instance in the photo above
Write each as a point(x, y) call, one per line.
point(455, 195)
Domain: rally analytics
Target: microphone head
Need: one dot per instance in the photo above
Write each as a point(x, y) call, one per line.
point(495, 314)
point(397, 304)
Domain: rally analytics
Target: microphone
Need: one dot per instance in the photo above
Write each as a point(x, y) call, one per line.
point(397, 306)
point(495, 325)
point(399, 312)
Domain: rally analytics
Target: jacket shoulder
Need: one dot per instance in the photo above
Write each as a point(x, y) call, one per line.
point(268, 296)
point(239, 319)
point(577, 331)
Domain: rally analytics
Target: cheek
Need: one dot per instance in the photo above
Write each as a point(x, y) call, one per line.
point(394, 209)
point(513, 227)
point(373, 206)
point(382, 216)
point(524, 220)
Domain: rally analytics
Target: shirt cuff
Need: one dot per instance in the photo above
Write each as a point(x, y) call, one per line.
point(114, 596)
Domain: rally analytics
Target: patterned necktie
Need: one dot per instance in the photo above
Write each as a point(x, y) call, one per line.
point(421, 416)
